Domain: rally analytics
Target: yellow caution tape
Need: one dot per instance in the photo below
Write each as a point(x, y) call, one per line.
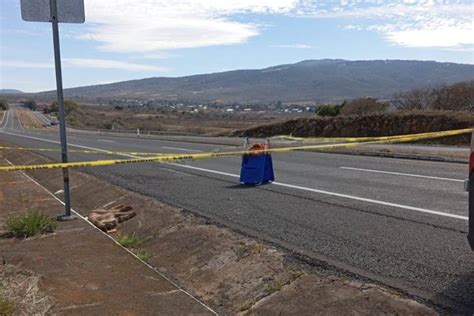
point(175, 157)
point(82, 151)
point(371, 138)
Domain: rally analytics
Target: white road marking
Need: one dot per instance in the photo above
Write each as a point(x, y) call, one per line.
point(182, 149)
point(402, 174)
point(6, 117)
point(54, 141)
point(347, 196)
point(106, 140)
point(292, 186)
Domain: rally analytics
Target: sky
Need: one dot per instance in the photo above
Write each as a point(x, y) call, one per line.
point(131, 39)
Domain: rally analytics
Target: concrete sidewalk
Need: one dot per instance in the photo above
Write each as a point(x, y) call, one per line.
point(81, 269)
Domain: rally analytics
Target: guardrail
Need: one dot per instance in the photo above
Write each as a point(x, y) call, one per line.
point(137, 132)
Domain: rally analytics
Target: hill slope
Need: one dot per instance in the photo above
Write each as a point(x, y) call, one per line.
point(378, 124)
point(10, 91)
point(311, 80)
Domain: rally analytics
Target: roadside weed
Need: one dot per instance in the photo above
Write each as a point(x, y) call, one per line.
point(249, 249)
point(134, 242)
point(143, 255)
point(23, 198)
point(246, 306)
point(130, 241)
point(274, 287)
point(257, 248)
point(30, 224)
point(6, 307)
point(295, 273)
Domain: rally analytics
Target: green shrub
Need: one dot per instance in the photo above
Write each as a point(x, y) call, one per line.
point(3, 105)
point(143, 255)
point(30, 104)
point(69, 106)
point(330, 109)
point(30, 224)
point(130, 241)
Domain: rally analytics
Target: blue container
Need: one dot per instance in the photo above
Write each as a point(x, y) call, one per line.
point(256, 169)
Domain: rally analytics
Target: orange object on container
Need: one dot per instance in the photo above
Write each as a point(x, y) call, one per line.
point(258, 147)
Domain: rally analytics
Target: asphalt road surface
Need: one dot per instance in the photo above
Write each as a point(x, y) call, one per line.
point(399, 222)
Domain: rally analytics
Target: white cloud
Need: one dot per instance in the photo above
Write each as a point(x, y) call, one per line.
point(409, 23)
point(110, 64)
point(446, 37)
point(85, 63)
point(24, 64)
point(158, 55)
point(153, 25)
point(299, 46)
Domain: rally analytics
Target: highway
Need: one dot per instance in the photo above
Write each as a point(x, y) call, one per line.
point(399, 222)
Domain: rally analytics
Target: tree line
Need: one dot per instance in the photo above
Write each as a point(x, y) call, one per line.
point(457, 97)
point(360, 106)
point(3, 105)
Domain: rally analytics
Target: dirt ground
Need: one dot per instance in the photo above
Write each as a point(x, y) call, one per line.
point(232, 273)
point(94, 117)
point(29, 120)
point(77, 270)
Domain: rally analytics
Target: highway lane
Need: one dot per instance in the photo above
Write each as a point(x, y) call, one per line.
point(422, 253)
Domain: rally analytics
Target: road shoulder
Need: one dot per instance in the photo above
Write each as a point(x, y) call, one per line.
point(228, 271)
point(81, 270)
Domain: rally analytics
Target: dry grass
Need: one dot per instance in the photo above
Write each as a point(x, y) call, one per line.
point(20, 292)
point(246, 250)
point(28, 120)
point(6, 307)
point(92, 117)
point(398, 123)
point(274, 286)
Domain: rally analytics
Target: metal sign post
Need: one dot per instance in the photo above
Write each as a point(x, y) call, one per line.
point(70, 11)
point(62, 118)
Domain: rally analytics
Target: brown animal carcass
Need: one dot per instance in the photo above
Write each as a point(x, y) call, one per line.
point(108, 219)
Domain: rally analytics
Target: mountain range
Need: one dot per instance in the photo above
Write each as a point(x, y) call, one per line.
point(327, 80)
point(10, 91)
